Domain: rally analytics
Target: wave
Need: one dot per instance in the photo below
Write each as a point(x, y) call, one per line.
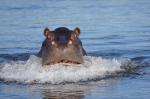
point(32, 71)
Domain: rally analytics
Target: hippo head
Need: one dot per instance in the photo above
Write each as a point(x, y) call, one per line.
point(62, 46)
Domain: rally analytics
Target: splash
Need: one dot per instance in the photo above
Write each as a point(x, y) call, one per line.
point(31, 71)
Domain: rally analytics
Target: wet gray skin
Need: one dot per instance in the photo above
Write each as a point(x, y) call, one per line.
point(62, 46)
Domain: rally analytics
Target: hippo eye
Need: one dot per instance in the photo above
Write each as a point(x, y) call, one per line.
point(70, 42)
point(53, 42)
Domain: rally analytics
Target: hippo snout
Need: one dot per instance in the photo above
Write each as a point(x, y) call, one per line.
point(65, 55)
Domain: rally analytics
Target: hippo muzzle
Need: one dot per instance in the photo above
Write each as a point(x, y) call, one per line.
point(62, 46)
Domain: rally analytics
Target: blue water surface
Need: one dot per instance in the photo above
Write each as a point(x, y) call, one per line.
point(109, 29)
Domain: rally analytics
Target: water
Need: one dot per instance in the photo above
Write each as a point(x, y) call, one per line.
point(115, 34)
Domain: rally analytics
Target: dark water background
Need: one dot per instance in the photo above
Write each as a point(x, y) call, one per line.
point(109, 28)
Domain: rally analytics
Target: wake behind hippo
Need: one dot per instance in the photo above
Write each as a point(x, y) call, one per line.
point(62, 46)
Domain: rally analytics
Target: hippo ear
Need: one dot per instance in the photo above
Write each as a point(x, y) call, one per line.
point(48, 34)
point(77, 31)
point(46, 31)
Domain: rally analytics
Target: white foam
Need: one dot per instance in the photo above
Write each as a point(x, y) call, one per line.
point(31, 71)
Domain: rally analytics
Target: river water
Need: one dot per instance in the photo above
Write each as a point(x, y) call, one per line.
point(115, 34)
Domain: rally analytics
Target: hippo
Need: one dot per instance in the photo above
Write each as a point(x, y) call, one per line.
point(62, 45)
